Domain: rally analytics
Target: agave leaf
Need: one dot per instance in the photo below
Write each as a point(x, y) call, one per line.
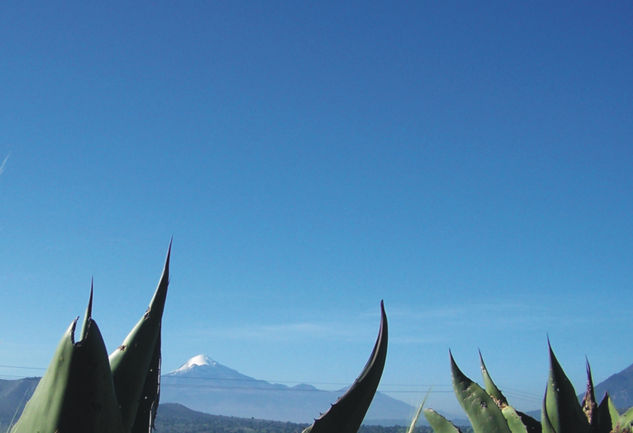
point(616, 422)
point(546, 425)
point(346, 415)
point(532, 425)
point(146, 414)
point(515, 424)
point(76, 394)
point(136, 363)
point(518, 422)
point(438, 423)
point(483, 413)
point(88, 315)
point(561, 410)
point(602, 421)
point(627, 417)
point(614, 414)
point(589, 405)
point(490, 386)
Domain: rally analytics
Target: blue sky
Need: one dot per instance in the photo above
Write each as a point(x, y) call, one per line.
point(469, 164)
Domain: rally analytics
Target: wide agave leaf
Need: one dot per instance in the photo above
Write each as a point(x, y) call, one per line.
point(76, 394)
point(483, 413)
point(135, 364)
point(84, 391)
point(346, 415)
point(561, 411)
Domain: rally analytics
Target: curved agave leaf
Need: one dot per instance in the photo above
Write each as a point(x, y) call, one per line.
point(76, 394)
point(438, 423)
point(561, 411)
point(518, 422)
point(136, 363)
point(490, 386)
point(483, 413)
point(346, 415)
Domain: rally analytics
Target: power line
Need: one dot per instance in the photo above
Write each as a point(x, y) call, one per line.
point(211, 384)
point(22, 367)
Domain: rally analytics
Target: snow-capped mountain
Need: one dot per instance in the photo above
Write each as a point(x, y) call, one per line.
point(206, 385)
point(203, 366)
point(196, 361)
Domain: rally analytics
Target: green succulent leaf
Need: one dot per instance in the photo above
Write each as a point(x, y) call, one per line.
point(135, 364)
point(518, 422)
point(438, 423)
point(490, 386)
point(561, 411)
point(532, 425)
point(612, 421)
point(601, 420)
point(76, 394)
point(88, 315)
point(146, 413)
point(484, 414)
point(346, 415)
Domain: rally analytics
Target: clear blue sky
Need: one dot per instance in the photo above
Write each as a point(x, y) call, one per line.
point(469, 164)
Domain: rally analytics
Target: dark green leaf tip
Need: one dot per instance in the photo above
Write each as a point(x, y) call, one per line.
point(89, 309)
point(588, 366)
point(458, 375)
point(88, 316)
point(346, 415)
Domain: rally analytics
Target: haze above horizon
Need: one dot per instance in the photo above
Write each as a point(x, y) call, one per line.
point(470, 164)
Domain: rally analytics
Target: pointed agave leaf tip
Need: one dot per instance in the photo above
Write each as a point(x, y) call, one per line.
point(157, 303)
point(561, 407)
point(457, 373)
point(589, 376)
point(88, 316)
point(346, 415)
point(89, 309)
point(165, 276)
point(135, 364)
point(589, 404)
point(169, 252)
point(490, 386)
point(482, 364)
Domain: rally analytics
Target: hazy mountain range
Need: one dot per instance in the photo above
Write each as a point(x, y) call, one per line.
point(205, 385)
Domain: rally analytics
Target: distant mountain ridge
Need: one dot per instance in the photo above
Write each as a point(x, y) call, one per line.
point(15, 393)
point(620, 388)
point(205, 385)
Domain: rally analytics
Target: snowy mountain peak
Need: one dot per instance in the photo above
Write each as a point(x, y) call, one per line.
point(204, 366)
point(196, 361)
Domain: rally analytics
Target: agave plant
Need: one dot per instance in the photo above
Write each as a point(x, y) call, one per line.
point(489, 412)
point(347, 414)
point(85, 391)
